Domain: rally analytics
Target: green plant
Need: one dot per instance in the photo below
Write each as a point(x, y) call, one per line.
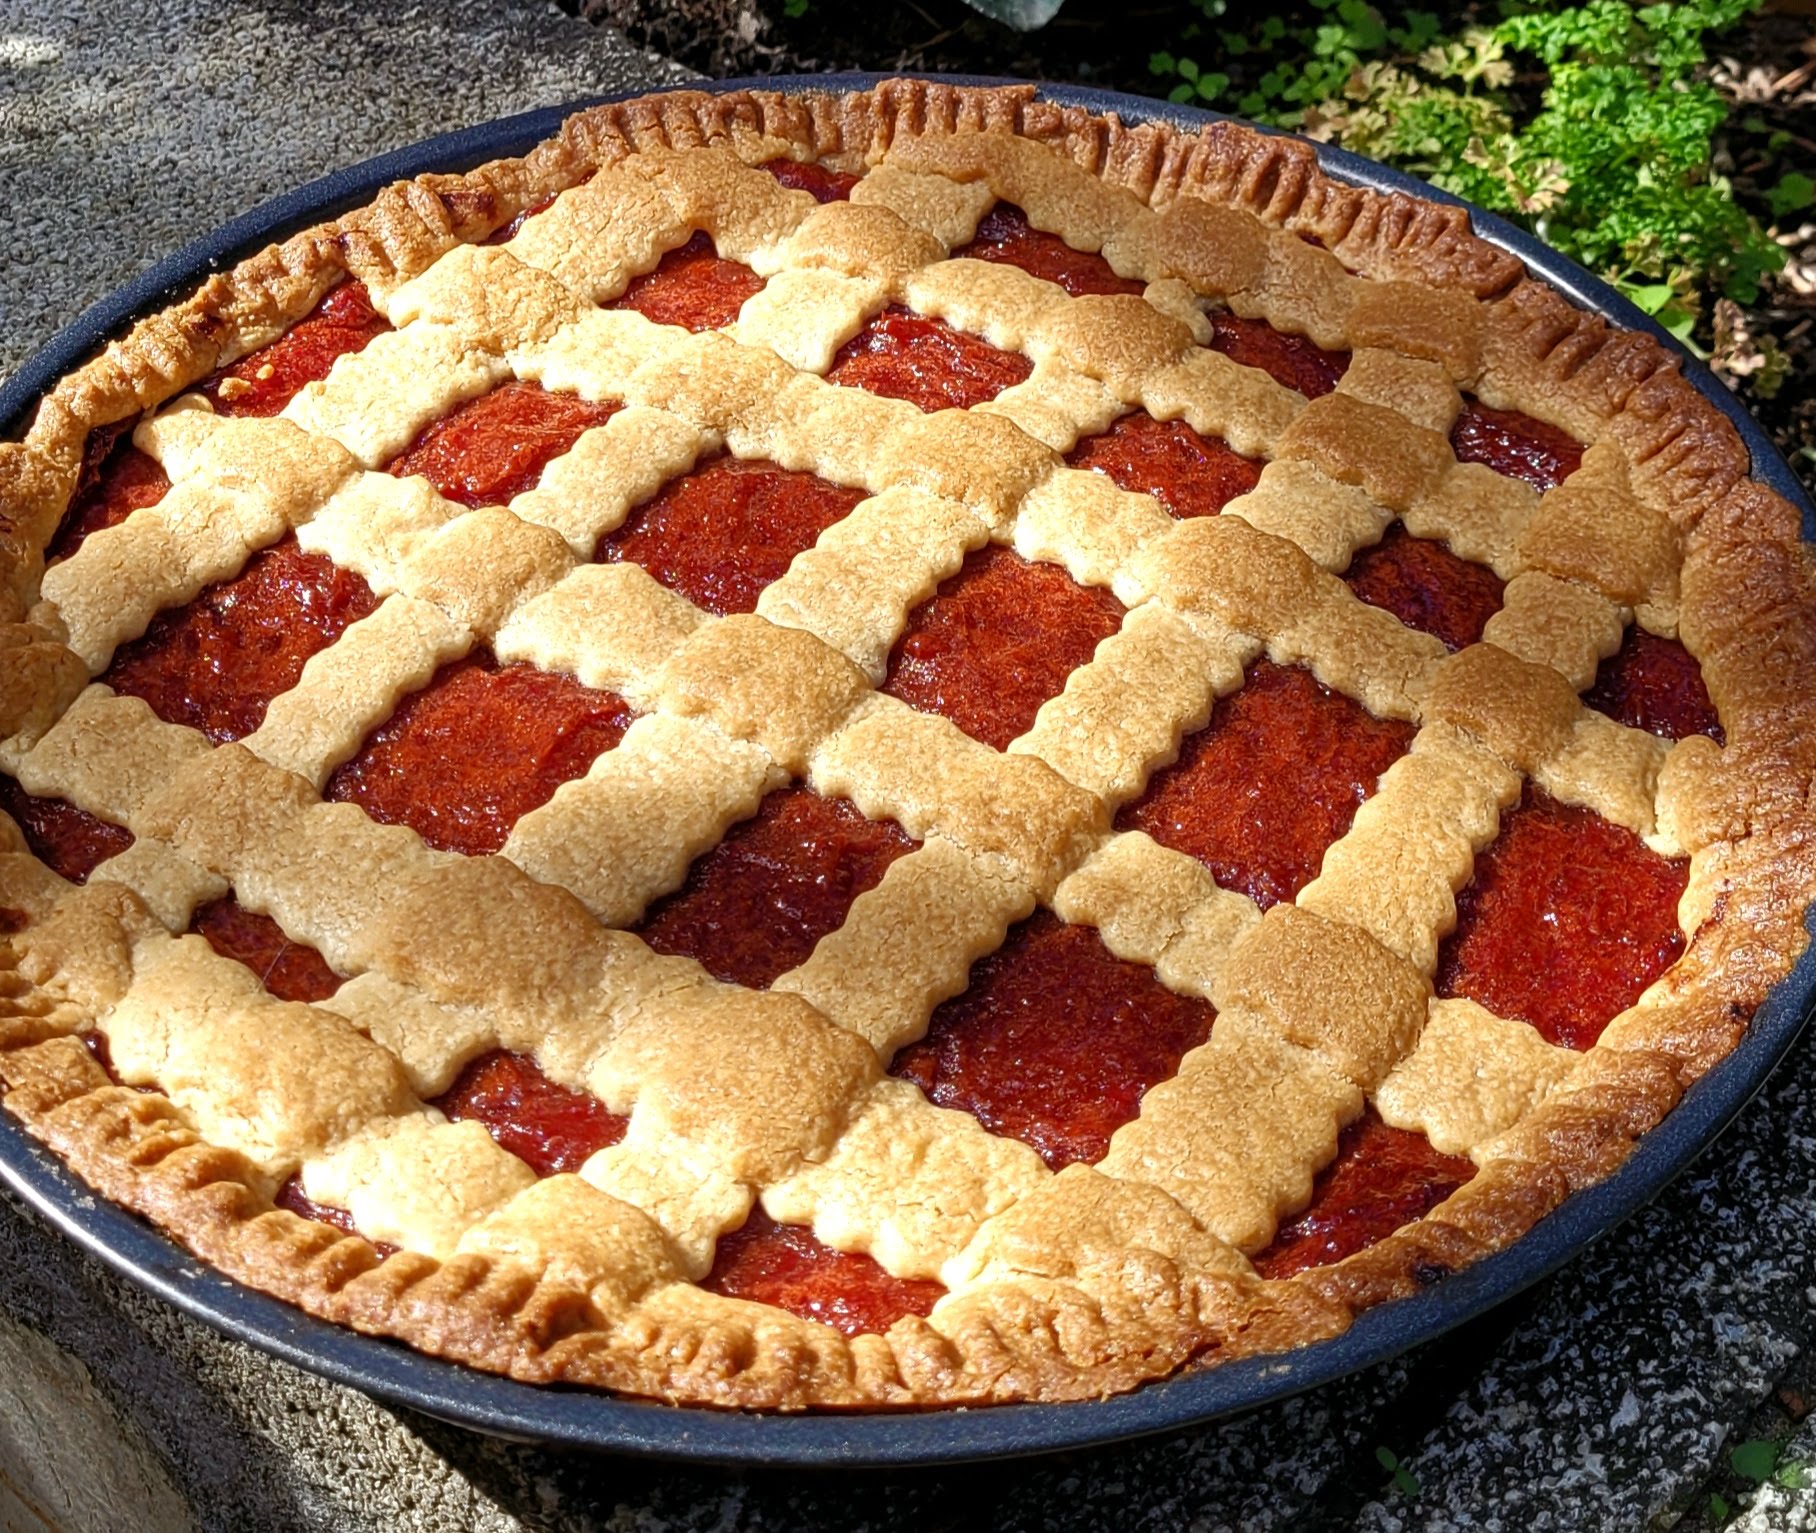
point(1402, 1481)
point(1589, 124)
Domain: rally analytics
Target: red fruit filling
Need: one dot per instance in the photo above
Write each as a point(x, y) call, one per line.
point(784, 1265)
point(1277, 775)
point(1427, 587)
point(804, 176)
point(266, 380)
point(1655, 684)
point(1189, 474)
point(926, 362)
point(1291, 360)
point(996, 641)
point(479, 747)
point(1381, 1179)
point(1004, 234)
point(215, 664)
point(69, 841)
point(1567, 919)
point(291, 971)
point(691, 287)
point(116, 480)
point(496, 446)
point(1516, 445)
point(547, 1126)
point(1054, 1041)
point(722, 533)
point(755, 905)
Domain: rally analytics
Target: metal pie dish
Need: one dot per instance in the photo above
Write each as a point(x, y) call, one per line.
point(572, 1417)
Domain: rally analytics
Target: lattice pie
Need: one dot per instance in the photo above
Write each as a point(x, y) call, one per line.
point(897, 748)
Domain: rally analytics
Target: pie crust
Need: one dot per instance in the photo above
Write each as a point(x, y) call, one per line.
point(1059, 1286)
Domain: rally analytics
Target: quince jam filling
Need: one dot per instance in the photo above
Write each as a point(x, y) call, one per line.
point(1507, 441)
point(479, 747)
point(784, 1265)
point(1516, 445)
point(902, 355)
point(263, 382)
point(69, 841)
point(722, 533)
point(1381, 1179)
point(1427, 587)
point(1054, 1041)
point(215, 664)
point(1277, 775)
point(291, 1197)
point(1005, 235)
point(1189, 474)
point(1655, 684)
point(691, 287)
point(755, 905)
point(1567, 919)
point(1291, 360)
point(291, 971)
point(73, 843)
point(496, 446)
point(547, 1126)
point(804, 176)
point(116, 480)
point(998, 639)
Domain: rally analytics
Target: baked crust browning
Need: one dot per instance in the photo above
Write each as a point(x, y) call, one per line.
point(1060, 1286)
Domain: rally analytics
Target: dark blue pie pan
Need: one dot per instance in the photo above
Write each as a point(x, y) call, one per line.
point(588, 1419)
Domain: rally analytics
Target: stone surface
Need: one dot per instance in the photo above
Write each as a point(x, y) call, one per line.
point(1606, 1399)
point(69, 1457)
point(121, 143)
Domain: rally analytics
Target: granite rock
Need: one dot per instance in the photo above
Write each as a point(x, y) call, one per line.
point(120, 143)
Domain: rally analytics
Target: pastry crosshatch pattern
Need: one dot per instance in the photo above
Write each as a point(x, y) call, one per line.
point(1324, 993)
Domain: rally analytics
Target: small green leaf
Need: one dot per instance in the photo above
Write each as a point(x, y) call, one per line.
point(1795, 192)
point(1180, 95)
point(1188, 69)
point(1679, 323)
point(1650, 298)
point(1211, 86)
point(795, 9)
point(1755, 1460)
point(1793, 1476)
point(1162, 64)
point(1719, 1508)
point(1403, 1482)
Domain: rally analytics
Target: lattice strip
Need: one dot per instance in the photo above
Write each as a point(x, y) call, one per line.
point(236, 487)
point(1412, 845)
point(908, 1183)
point(1124, 713)
point(1236, 1135)
point(855, 587)
point(1472, 1076)
point(352, 686)
point(1153, 905)
point(909, 943)
point(626, 832)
